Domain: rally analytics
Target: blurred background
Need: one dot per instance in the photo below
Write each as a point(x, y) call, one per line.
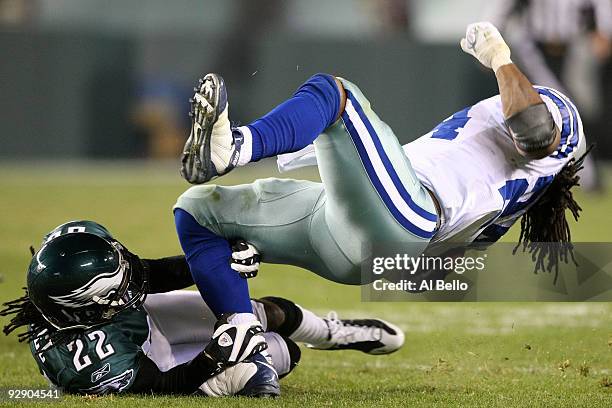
point(93, 116)
point(83, 79)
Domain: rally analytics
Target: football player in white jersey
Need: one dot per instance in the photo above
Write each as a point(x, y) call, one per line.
point(510, 156)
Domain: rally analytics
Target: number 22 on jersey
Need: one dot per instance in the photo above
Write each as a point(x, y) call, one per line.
point(102, 350)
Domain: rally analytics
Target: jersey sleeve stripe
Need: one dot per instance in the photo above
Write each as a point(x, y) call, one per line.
point(570, 129)
point(383, 176)
point(570, 144)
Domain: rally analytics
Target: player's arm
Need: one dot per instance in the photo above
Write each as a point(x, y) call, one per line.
point(229, 345)
point(167, 274)
point(172, 272)
point(182, 379)
point(531, 124)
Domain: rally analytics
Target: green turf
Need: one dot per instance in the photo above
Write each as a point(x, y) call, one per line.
point(484, 354)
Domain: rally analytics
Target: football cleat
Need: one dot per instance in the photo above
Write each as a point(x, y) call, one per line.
point(212, 148)
point(264, 383)
point(372, 336)
point(254, 377)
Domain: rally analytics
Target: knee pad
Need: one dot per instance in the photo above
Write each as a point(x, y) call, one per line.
point(282, 315)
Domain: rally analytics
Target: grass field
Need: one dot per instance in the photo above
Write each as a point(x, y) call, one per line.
point(463, 354)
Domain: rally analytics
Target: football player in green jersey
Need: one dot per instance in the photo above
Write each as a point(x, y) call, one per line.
point(102, 320)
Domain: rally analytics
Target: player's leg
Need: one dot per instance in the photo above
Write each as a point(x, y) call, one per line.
point(224, 291)
point(275, 215)
point(372, 336)
point(214, 148)
point(373, 194)
point(182, 324)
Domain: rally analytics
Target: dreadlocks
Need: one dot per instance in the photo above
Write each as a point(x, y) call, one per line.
point(25, 314)
point(545, 233)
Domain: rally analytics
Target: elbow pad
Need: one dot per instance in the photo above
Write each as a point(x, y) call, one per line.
point(532, 128)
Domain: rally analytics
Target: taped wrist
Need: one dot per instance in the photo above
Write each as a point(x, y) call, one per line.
point(532, 128)
point(500, 60)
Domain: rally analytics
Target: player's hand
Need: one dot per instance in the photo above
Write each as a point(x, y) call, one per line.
point(233, 343)
point(245, 259)
point(483, 41)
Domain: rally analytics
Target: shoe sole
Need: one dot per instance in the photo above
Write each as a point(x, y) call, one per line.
point(205, 111)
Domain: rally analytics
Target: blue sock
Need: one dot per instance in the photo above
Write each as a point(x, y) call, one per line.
point(298, 121)
point(208, 256)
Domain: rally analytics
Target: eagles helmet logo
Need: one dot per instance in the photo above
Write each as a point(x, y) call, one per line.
point(100, 289)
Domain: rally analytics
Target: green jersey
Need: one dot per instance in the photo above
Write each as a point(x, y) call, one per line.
point(103, 359)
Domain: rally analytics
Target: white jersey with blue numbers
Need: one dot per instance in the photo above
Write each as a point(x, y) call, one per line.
point(482, 183)
point(470, 163)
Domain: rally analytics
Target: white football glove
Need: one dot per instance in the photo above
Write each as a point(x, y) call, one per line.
point(232, 343)
point(483, 41)
point(245, 259)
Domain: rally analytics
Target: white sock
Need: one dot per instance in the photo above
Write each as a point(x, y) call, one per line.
point(246, 151)
point(243, 318)
point(312, 330)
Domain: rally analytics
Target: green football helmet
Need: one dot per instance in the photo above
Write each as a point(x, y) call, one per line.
point(81, 277)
